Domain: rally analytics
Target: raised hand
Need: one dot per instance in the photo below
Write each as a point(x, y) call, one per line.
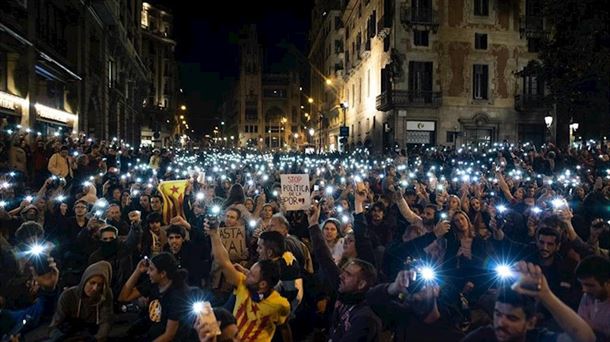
point(313, 216)
point(442, 228)
point(532, 281)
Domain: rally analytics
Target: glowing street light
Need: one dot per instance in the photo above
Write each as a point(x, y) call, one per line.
point(310, 100)
point(183, 107)
point(311, 131)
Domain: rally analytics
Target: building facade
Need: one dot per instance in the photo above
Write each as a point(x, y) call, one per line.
point(325, 114)
point(162, 114)
point(442, 72)
point(264, 110)
point(74, 66)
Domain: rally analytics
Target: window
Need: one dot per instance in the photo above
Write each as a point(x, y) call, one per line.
point(111, 71)
point(368, 83)
point(274, 92)
point(353, 93)
point(420, 38)
point(533, 85)
point(421, 10)
point(480, 41)
point(359, 90)
point(420, 79)
point(251, 114)
point(533, 44)
point(480, 81)
point(481, 8)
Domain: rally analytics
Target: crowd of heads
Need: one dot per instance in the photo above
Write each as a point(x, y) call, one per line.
point(460, 211)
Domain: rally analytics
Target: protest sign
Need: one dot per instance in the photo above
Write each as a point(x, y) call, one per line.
point(295, 192)
point(234, 240)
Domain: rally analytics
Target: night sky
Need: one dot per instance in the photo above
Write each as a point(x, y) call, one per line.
point(207, 50)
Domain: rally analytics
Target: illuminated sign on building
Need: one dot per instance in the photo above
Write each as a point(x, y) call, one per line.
point(55, 114)
point(11, 101)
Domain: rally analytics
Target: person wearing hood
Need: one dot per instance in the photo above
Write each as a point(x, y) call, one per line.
point(85, 310)
point(30, 213)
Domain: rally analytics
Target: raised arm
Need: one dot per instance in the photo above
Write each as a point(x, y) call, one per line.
point(221, 256)
point(504, 187)
point(319, 248)
point(405, 210)
point(569, 321)
point(129, 291)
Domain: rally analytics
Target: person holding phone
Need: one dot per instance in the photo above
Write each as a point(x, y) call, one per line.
point(257, 304)
point(166, 292)
point(515, 318)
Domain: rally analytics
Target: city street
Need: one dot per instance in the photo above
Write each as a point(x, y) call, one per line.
point(355, 170)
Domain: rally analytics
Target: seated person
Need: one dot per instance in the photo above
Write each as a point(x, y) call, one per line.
point(85, 310)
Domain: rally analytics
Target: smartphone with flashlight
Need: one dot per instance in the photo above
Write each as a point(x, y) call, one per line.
point(420, 274)
point(205, 315)
point(17, 328)
point(316, 188)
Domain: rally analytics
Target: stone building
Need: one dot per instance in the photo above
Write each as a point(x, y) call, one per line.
point(264, 108)
point(442, 72)
point(161, 111)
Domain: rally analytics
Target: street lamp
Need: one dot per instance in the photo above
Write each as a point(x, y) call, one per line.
point(183, 107)
point(548, 120)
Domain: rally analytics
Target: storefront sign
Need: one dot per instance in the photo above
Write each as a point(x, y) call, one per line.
point(55, 114)
point(11, 101)
point(421, 125)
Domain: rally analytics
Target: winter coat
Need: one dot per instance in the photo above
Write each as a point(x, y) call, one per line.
point(58, 166)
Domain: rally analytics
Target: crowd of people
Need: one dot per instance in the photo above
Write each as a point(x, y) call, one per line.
point(475, 243)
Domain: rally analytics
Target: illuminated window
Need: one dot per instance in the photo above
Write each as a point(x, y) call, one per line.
point(144, 21)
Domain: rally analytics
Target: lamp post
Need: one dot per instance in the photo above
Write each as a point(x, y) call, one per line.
point(281, 131)
point(548, 120)
point(573, 129)
point(310, 101)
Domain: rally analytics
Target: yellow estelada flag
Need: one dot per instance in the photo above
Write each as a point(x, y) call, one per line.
point(173, 197)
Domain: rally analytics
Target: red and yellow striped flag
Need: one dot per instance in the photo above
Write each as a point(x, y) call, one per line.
point(173, 197)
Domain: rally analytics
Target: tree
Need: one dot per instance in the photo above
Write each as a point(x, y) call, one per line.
point(576, 64)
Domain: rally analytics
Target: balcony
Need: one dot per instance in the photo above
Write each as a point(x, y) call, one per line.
point(418, 19)
point(532, 27)
point(530, 103)
point(402, 99)
point(366, 52)
point(383, 26)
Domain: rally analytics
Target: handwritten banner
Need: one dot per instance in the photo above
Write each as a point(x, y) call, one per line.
point(295, 192)
point(234, 240)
